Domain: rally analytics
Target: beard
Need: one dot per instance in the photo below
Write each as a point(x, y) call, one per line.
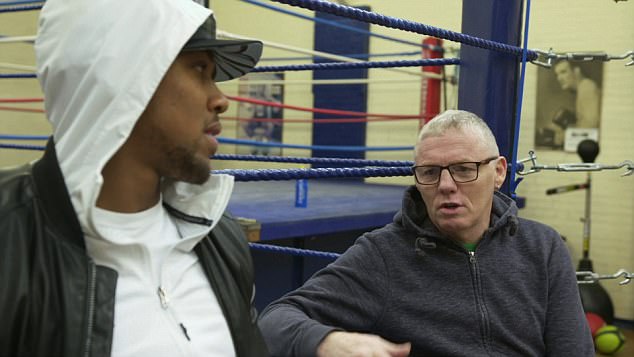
point(174, 159)
point(182, 164)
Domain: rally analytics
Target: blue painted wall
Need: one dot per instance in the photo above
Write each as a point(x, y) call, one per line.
point(351, 97)
point(488, 79)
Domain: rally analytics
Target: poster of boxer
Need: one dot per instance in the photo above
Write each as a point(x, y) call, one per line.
point(568, 104)
point(264, 122)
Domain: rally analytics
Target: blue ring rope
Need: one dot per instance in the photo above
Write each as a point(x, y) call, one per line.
point(294, 251)
point(314, 160)
point(346, 27)
point(21, 2)
point(518, 115)
point(405, 25)
point(20, 8)
point(322, 66)
point(21, 147)
point(381, 20)
point(291, 174)
point(287, 174)
point(17, 75)
point(349, 65)
point(297, 174)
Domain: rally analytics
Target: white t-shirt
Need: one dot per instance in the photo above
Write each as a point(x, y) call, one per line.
point(164, 304)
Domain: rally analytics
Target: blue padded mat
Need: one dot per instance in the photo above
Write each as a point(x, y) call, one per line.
point(333, 206)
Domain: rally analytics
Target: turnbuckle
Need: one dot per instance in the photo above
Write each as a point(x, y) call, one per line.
point(589, 277)
point(574, 167)
point(547, 59)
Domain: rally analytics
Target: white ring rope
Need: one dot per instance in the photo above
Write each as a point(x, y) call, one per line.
point(229, 35)
point(19, 67)
point(336, 81)
point(310, 52)
point(10, 39)
point(15, 39)
point(289, 48)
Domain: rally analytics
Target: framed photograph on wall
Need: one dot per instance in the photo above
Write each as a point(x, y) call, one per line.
point(260, 122)
point(568, 101)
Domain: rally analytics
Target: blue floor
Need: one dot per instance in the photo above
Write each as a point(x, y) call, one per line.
point(337, 213)
point(333, 206)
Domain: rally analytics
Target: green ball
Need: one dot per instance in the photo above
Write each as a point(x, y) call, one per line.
point(609, 340)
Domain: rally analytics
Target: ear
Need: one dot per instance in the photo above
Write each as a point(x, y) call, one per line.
point(500, 171)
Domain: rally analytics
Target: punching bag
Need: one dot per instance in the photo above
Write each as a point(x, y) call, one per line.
point(593, 296)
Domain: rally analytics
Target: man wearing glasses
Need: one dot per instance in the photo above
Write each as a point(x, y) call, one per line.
point(457, 273)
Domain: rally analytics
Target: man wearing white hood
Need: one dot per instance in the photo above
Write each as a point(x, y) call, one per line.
point(117, 242)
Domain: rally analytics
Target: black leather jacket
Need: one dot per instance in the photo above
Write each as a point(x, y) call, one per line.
point(55, 301)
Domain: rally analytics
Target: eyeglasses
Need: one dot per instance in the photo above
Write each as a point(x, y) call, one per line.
point(460, 172)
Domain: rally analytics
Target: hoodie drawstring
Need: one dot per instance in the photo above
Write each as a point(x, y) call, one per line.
point(512, 222)
point(421, 244)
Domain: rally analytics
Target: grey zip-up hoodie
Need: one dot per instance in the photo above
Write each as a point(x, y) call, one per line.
point(516, 295)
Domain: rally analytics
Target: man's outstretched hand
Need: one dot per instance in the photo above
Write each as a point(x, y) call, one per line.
point(352, 344)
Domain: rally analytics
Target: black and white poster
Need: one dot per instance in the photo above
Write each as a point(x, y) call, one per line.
point(568, 104)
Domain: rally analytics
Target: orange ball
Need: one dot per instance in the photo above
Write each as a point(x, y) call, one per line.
point(595, 322)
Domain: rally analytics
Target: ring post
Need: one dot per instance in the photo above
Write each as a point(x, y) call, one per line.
point(488, 79)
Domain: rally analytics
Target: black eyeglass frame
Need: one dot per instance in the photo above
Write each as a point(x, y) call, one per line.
point(477, 163)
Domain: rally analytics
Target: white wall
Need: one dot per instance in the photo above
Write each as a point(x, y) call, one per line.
point(19, 24)
point(587, 25)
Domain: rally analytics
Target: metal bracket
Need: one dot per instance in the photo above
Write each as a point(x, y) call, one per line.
point(575, 167)
point(547, 59)
point(589, 277)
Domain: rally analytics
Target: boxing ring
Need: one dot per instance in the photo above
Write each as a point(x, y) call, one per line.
point(333, 206)
point(336, 214)
point(492, 64)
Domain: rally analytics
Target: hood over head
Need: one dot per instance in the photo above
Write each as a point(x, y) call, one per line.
point(99, 63)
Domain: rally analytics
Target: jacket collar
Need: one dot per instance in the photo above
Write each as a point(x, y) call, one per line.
point(51, 190)
point(413, 215)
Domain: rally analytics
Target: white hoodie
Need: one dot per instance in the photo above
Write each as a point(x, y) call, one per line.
point(99, 63)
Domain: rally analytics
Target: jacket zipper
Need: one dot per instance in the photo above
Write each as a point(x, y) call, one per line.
point(165, 305)
point(472, 258)
point(91, 306)
point(481, 308)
